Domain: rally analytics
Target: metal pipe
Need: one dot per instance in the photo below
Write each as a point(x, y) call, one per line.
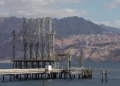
point(38, 36)
point(14, 53)
point(81, 58)
point(31, 49)
point(50, 39)
point(52, 47)
point(43, 39)
point(14, 35)
point(25, 50)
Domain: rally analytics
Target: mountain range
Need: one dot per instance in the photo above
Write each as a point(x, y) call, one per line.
point(97, 41)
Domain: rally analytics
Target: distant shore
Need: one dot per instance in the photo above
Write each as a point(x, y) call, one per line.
point(5, 61)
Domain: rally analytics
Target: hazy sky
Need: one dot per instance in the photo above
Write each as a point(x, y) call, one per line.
point(99, 11)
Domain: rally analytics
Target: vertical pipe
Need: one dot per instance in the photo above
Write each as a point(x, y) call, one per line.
point(50, 40)
point(37, 65)
point(14, 35)
point(37, 45)
point(25, 50)
point(24, 34)
point(16, 66)
point(31, 49)
point(32, 64)
point(52, 48)
point(27, 64)
point(81, 58)
point(38, 36)
point(20, 66)
point(58, 65)
point(69, 62)
point(43, 39)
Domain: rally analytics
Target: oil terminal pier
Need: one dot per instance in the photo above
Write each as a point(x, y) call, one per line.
point(43, 73)
point(40, 59)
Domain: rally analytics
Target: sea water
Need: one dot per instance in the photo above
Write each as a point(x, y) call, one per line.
point(113, 78)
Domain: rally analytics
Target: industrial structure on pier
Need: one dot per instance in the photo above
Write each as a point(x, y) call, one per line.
point(38, 40)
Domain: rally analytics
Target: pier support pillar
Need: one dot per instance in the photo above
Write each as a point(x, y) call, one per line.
point(3, 78)
point(79, 76)
point(106, 76)
point(102, 76)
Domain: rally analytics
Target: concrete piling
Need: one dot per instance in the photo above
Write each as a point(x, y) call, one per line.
point(102, 76)
point(79, 76)
point(106, 76)
point(3, 78)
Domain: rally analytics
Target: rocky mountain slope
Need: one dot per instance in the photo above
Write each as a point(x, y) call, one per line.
point(98, 42)
point(66, 26)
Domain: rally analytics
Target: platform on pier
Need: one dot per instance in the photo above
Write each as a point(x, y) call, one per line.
point(26, 71)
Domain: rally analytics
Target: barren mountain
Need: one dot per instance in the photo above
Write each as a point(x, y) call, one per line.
point(98, 42)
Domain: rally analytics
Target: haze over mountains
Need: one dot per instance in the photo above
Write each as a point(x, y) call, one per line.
point(99, 42)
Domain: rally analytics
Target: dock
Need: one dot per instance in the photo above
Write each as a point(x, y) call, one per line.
point(39, 53)
point(43, 73)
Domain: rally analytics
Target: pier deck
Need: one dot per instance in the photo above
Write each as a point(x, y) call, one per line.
point(26, 71)
point(43, 73)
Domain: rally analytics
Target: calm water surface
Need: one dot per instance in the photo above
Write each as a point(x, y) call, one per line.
point(113, 78)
